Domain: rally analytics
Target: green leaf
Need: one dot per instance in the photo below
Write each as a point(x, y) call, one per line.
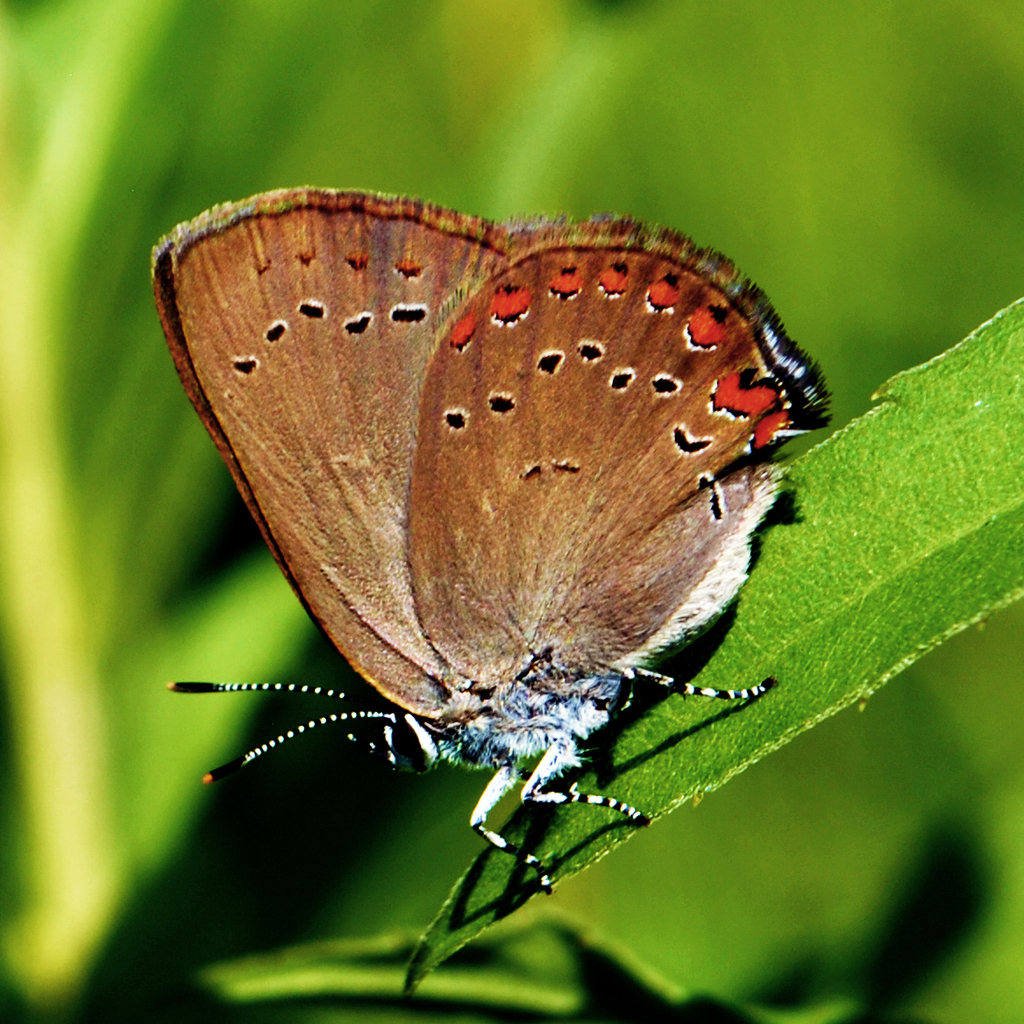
point(906, 526)
point(550, 967)
point(526, 971)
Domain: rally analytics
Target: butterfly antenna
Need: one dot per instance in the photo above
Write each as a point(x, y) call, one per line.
point(239, 762)
point(320, 691)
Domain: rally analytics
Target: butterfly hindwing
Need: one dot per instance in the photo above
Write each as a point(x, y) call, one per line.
point(575, 487)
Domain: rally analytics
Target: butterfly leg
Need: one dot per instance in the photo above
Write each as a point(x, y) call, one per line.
point(506, 778)
point(552, 764)
point(701, 691)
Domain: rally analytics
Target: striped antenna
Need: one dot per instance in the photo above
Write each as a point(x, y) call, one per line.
point(261, 687)
point(239, 762)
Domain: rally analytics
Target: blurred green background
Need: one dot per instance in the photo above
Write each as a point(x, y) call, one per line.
point(863, 162)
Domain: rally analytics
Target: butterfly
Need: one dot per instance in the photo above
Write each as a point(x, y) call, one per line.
point(504, 467)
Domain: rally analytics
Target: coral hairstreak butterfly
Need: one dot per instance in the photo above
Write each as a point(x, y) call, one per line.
point(504, 466)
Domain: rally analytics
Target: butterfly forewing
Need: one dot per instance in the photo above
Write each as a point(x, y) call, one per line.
point(578, 416)
point(302, 327)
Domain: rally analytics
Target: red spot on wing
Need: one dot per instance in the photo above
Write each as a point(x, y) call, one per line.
point(510, 304)
point(409, 268)
point(567, 284)
point(664, 294)
point(706, 329)
point(731, 396)
point(358, 260)
point(463, 331)
point(765, 431)
point(613, 279)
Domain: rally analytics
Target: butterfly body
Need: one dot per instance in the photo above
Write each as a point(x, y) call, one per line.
point(525, 718)
point(503, 466)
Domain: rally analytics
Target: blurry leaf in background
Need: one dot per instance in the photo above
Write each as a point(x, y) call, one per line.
point(859, 160)
point(545, 967)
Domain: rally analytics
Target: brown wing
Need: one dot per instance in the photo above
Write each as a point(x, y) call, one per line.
point(301, 324)
point(569, 490)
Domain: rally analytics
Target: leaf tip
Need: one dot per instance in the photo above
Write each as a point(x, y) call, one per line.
point(420, 965)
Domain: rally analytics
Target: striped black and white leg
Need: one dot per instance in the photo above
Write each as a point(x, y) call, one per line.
point(506, 778)
point(574, 796)
point(688, 690)
point(557, 759)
